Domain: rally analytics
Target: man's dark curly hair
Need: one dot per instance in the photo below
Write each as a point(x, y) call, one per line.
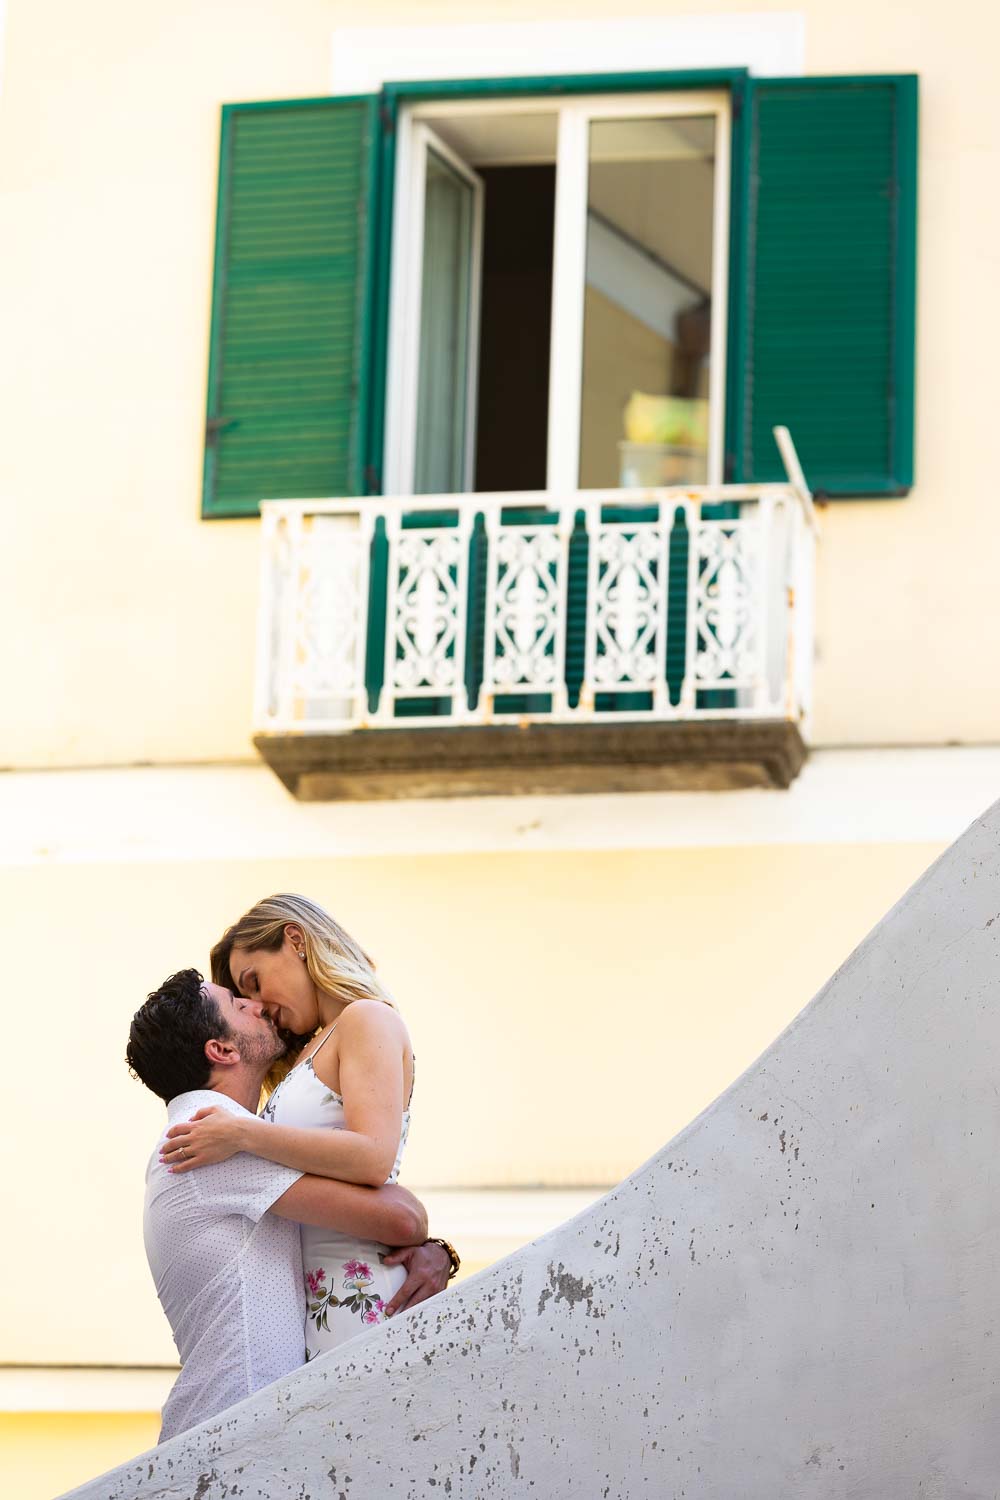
point(166, 1041)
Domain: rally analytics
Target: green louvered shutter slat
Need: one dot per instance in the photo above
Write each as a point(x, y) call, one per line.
point(829, 333)
point(287, 400)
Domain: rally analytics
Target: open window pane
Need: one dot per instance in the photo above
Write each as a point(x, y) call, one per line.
point(648, 302)
point(444, 374)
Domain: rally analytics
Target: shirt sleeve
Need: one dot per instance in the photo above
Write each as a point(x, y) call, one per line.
point(244, 1184)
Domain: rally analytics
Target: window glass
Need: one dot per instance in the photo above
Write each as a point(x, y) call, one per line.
point(647, 302)
point(442, 406)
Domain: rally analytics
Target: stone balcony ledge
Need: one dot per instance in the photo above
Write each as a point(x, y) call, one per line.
point(503, 759)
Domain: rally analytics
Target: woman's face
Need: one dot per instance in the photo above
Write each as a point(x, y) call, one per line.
point(280, 981)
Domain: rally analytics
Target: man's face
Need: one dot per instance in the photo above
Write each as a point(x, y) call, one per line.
point(251, 1030)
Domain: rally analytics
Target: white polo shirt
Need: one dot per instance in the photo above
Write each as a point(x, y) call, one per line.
point(227, 1273)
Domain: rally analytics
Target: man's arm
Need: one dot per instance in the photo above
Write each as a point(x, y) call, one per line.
point(391, 1215)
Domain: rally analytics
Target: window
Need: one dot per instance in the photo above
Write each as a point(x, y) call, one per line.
point(603, 248)
point(589, 283)
point(646, 383)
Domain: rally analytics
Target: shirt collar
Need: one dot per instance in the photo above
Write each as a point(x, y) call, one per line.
point(183, 1106)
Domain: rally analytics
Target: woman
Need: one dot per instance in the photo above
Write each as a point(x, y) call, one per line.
point(341, 1111)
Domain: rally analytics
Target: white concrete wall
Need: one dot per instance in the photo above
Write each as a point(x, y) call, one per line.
point(798, 1296)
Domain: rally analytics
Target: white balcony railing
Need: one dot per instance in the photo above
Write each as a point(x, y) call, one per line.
point(670, 604)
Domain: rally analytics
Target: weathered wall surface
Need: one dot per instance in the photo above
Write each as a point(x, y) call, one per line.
point(798, 1296)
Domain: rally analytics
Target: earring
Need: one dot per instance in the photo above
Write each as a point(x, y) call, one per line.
point(302, 953)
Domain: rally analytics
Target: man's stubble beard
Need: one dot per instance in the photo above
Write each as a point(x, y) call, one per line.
point(262, 1051)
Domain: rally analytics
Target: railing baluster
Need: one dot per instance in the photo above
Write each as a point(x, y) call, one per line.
point(560, 692)
point(801, 623)
point(693, 524)
point(526, 609)
point(331, 636)
point(460, 693)
point(289, 626)
point(592, 523)
point(627, 607)
point(426, 606)
point(364, 585)
point(660, 695)
point(387, 698)
point(265, 706)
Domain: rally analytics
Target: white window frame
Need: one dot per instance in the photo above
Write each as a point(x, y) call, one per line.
point(574, 117)
point(404, 362)
point(569, 269)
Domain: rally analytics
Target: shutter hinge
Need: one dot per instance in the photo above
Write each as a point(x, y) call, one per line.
point(386, 119)
point(217, 425)
point(737, 104)
point(728, 468)
point(373, 481)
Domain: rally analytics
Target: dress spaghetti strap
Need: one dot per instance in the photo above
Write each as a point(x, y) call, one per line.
point(413, 1062)
point(323, 1042)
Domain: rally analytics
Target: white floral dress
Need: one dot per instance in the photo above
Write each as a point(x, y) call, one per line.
point(347, 1286)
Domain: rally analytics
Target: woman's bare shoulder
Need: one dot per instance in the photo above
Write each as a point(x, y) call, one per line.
point(370, 1018)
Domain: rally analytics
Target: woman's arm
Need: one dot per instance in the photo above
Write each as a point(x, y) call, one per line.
point(371, 1086)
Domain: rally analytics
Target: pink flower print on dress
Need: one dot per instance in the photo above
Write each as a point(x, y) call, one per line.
point(375, 1313)
point(357, 1268)
point(315, 1280)
point(357, 1274)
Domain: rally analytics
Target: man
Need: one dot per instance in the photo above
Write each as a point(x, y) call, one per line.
point(223, 1242)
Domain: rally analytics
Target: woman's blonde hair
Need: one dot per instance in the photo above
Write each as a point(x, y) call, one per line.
point(336, 964)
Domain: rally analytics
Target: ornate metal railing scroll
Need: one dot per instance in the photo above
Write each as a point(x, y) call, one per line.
point(426, 614)
point(526, 609)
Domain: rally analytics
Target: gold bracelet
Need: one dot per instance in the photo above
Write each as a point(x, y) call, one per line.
point(452, 1254)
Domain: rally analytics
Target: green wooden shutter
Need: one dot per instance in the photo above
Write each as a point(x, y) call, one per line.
point(288, 373)
point(827, 338)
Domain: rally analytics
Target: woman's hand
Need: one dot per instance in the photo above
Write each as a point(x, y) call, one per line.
point(212, 1135)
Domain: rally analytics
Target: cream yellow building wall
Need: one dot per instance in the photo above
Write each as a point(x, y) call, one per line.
point(572, 1005)
point(45, 1453)
point(141, 617)
point(569, 1015)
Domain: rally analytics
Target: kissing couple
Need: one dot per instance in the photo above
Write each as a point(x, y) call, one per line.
point(275, 1236)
